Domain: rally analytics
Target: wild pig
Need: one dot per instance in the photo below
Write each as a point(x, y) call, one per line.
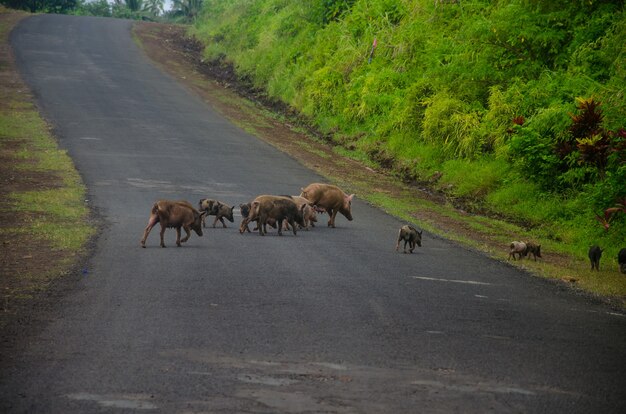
point(330, 198)
point(208, 205)
point(517, 247)
point(245, 213)
point(267, 207)
point(621, 260)
point(534, 249)
point(175, 214)
point(308, 211)
point(411, 236)
point(217, 209)
point(244, 208)
point(595, 253)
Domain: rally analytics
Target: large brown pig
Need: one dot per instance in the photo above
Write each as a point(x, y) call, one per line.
point(175, 214)
point(330, 198)
point(265, 208)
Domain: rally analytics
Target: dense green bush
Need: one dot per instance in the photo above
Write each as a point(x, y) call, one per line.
point(483, 93)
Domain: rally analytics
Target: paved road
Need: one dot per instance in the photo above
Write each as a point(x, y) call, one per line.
point(331, 320)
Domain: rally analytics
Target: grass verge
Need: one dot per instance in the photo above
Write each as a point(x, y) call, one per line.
point(44, 218)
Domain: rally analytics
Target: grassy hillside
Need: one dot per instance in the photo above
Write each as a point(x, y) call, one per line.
point(516, 108)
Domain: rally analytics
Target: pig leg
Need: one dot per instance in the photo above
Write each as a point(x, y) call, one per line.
point(244, 226)
point(331, 220)
point(411, 246)
point(187, 231)
point(154, 219)
point(162, 233)
point(223, 223)
point(261, 225)
point(399, 239)
point(293, 226)
point(178, 236)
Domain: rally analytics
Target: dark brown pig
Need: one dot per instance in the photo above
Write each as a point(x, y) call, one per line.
point(245, 213)
point(330, 198)
point(595, 253)
point(308, 212)
point(174, 214)
point(534, 249)
point(279, 208)
point(621, 260)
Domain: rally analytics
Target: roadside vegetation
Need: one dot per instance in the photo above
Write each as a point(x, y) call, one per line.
point(514, 109)
point(44, 218)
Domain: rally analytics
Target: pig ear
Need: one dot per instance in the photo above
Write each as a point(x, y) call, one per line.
point(202, 213)
point(350, 197)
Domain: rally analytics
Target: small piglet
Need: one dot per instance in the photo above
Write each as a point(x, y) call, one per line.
point(411, 236)
point(218, 209)
point(621, 260)
point(534, 249)
point(519, 248)
point(595, 253)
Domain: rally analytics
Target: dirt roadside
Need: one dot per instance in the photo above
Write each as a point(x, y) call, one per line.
point(216, 84)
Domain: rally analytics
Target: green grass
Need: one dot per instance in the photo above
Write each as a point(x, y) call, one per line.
point(49, 202)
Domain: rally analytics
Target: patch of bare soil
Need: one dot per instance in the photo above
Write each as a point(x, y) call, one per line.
point(218, 85)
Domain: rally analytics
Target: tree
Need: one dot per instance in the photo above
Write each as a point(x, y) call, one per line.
point(50, 6)
point(153, 7)
point(189, 9)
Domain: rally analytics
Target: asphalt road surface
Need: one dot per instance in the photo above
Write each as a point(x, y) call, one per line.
point(328, 321)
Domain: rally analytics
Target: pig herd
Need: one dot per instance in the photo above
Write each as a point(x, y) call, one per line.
point(519, 249)
point(286, 212)
point(278, 211)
